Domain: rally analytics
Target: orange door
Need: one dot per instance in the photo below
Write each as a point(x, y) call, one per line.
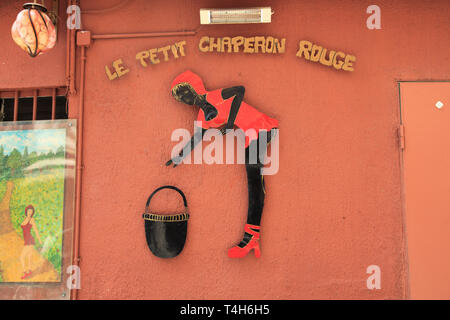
point(425, 110)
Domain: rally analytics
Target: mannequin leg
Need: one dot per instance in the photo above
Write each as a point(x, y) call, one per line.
point(256, 195)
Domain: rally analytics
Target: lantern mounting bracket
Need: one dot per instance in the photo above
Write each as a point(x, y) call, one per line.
point(38, 6)
point(53, 15)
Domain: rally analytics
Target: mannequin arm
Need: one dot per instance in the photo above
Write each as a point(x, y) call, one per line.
point(238, 93)
point(196, 138)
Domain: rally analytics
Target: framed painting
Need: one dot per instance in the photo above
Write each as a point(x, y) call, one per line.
point(37, 201)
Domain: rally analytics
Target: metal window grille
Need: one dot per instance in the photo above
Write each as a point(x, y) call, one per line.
point(33, 104)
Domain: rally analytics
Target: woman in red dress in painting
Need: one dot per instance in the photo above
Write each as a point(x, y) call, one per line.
point(27, 251)
point(224, 109)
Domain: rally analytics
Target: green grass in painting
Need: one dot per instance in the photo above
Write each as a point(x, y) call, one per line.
point(2, 188)
point(46, 193)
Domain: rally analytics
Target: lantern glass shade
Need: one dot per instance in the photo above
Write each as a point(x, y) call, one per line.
point(33, 30)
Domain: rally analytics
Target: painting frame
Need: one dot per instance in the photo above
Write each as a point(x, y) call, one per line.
point(57, 285)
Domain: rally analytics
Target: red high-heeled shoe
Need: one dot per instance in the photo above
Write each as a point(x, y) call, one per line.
point(253, 244)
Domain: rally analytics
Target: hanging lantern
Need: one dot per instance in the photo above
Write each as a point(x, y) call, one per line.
point(33, 30)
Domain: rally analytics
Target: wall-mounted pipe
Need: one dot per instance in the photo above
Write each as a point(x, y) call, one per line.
point(72, 90)
point(76, 240)
point(143, 35)
point(107, 10)
point(68, 55)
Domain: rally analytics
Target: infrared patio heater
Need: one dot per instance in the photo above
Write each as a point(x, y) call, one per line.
point(232, 16)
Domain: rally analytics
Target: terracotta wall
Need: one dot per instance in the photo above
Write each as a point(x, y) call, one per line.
point(333, 209)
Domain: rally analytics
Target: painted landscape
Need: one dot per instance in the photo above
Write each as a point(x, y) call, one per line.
point(32, 170)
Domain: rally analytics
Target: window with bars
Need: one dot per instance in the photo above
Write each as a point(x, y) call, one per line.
point(33, 104)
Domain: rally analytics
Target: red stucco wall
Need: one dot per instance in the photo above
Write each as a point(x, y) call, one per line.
point(333, 209)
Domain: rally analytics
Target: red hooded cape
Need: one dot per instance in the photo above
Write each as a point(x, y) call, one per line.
point(248, 118)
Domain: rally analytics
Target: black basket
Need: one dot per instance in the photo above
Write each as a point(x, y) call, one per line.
point(166, 234)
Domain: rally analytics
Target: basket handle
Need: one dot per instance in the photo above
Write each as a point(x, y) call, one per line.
point(166, 187)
